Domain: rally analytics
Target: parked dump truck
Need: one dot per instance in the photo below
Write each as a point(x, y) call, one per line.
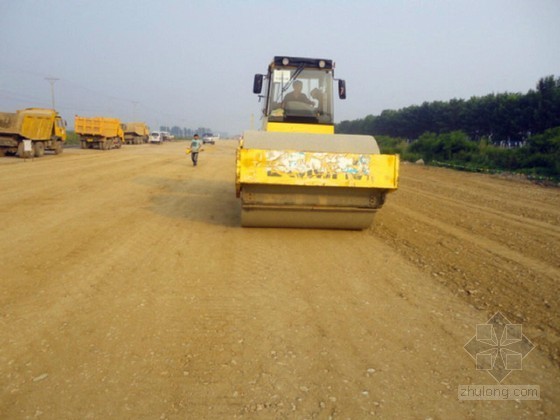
point(29, 132)
point(136, 133)
point(99, 132)
point(297, 172)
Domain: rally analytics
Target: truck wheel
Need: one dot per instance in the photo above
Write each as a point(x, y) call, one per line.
point(58, 148)
point(38, 148)
point(21, 153)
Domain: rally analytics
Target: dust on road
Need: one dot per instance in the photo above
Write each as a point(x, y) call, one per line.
point(128, 290)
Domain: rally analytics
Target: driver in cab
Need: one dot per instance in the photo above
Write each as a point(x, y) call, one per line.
point(296, 95)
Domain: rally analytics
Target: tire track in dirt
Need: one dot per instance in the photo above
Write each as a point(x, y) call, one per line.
point(45, 180)
point(519, 221)
point(524, 239)
point(521, 199)
point(492, 247)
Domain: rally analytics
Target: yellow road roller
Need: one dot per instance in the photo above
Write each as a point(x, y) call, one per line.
point(296, 172)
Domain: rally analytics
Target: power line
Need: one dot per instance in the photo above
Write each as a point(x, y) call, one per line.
point(52, 81)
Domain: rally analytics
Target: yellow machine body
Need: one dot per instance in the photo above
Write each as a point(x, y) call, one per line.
point(296, 172)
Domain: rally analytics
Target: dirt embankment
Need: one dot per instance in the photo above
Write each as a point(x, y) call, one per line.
point(128, 290)
point(495, 243)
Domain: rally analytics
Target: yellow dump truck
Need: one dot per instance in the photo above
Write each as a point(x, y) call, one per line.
point(136, 133)
point(296, 172)
point(29, 132)
point(99, 132)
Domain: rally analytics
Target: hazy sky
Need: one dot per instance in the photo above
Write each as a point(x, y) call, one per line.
point(191, 62)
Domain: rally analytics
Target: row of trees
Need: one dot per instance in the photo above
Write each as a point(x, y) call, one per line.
point(184, 133)
point(504, 118)
point(514, 132)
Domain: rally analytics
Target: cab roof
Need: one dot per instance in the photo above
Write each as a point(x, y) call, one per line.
point(285, 61)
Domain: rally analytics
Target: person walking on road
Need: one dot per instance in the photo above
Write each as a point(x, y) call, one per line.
point(196, 144)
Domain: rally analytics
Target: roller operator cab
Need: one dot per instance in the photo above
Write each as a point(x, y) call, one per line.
point(296, 172)
point(311, 110)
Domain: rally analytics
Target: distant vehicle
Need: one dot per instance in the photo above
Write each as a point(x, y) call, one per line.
point(42, 129)
point(104, 133)
point(209, 138)
point(167, 136)
point(136, 132)
point(156, 137)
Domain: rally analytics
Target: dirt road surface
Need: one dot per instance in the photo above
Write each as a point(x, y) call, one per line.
point(128, 290)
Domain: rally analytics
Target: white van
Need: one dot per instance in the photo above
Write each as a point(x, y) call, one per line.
point(209, 138)
point(156, 137)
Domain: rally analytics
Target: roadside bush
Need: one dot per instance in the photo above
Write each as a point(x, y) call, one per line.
point(392, 145)
point(540, 156)
point(72, 138)
point(451, 147)
point(542, 153)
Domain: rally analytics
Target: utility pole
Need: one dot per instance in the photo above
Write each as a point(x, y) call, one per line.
point(52, 80)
